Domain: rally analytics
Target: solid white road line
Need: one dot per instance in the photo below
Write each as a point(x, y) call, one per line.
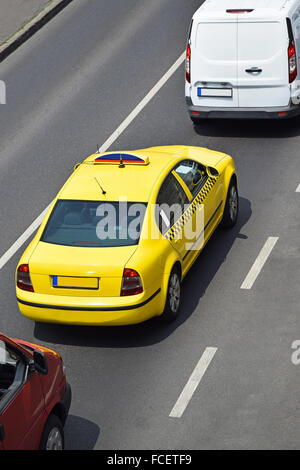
point(114, 136)
point(298, 189)
point(142, 104)
point(193, 383)
point(259, 263)
point(22, 239)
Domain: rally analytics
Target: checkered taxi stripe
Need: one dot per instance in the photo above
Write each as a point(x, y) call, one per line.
point(199, 199)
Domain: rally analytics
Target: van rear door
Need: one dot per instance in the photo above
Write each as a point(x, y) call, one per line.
point(214, 61)
point(263, 78)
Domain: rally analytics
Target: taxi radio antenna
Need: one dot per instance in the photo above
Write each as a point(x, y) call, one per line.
point(121, 162)
point(121, 165)
point(103, 192)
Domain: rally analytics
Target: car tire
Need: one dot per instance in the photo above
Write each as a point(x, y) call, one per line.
point(172, 307)
point(53, 435)
point(231, 206)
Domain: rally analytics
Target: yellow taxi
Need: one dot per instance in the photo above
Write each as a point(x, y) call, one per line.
point(123, 232)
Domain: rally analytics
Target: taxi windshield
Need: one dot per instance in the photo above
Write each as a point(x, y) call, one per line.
point(95, 223)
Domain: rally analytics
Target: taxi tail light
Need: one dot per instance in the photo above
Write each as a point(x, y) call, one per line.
point(131, 283)
point(23, 278)
point(292, 62)
point(188, 64)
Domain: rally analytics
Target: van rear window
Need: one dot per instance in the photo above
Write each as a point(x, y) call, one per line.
point(244, 40)
point(217, 41)
point(260, 40)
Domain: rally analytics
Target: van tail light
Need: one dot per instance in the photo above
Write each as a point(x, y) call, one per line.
point(240, 10)
point(188, 64)
point(23, 278)
point(131, 283)
point(292, 62)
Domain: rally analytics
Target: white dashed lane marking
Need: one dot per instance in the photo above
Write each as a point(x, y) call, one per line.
point(193, 382)
point(259, 263)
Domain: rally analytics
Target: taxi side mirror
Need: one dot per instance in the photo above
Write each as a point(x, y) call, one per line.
point(212, 172)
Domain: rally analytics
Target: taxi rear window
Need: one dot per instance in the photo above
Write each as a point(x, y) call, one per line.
point(95, 223)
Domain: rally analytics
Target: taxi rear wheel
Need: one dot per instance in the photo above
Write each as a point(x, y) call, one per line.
point(231, 206)
point(172, 306)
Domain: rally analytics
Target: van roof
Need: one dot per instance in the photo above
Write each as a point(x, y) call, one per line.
point(281, 7)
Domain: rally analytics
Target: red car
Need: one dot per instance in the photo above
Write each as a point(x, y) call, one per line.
point(34, 396)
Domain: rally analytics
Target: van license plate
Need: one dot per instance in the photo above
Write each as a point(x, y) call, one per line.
point(215, 92)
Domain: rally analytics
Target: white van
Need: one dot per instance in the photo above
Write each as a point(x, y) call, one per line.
point(242, 59)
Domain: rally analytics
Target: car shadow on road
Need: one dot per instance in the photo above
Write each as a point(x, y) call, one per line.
point(154, 330)
point(260, 128)
point(80, 433)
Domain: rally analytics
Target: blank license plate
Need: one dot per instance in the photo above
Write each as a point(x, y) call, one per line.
point(75, 282)
point(216, 92)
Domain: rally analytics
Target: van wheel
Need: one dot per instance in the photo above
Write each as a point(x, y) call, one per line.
point(196, 121)
point(53, 435)
point(172, 306)
point(231, 206)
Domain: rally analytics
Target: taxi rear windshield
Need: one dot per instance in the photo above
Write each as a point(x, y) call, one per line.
point(94, 223)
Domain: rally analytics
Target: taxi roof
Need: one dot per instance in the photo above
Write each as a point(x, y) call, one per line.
point(132, 181)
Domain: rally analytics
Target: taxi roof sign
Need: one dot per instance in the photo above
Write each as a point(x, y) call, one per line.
point(123, 158)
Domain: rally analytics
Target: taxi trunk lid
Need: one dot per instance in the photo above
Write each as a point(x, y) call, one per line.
point(78, 271)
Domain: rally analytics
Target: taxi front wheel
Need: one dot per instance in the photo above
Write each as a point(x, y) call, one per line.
point(172, 306)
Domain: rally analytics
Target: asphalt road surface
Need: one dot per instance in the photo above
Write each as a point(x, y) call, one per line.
point(68, 89)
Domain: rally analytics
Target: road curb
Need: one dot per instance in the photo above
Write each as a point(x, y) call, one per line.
point(32, 27)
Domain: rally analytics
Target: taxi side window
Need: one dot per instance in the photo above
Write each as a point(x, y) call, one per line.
point(170, 204)
point(12, 370)
point(193, 174)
